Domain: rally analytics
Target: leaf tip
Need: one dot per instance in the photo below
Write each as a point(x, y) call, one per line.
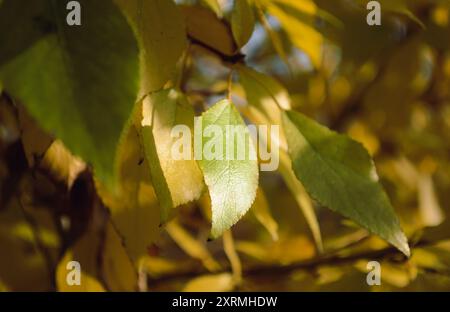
point(401, 243)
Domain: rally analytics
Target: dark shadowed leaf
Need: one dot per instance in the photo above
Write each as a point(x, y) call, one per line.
point(79, 83)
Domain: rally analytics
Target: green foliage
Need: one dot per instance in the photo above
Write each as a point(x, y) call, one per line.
point(69, 77)
point(232, 182)
point(86, 165)
point(339, 173)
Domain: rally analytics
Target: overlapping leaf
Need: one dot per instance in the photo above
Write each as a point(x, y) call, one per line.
point(204, 27)
point(161, 32)
point(242, 21)
point(297, 19)
point(176, 181)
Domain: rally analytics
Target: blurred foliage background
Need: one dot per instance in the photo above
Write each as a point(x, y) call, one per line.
point(386, 86)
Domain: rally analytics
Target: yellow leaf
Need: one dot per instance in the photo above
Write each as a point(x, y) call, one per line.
point(158, 266)
point(134, 209)
point(23, 264)
point(361, 133)
point(242, 22)
point(429, 208)
point(85, 252)
point(259, 86)
point(273, 35)
point(213, 5)
point(88, 283)
point(62, 163)
point(262, 213)
point(161, 33)
point(302, 34)
point(283, 251)
point(176, 181)
point(114, 271)
point(117, 268)
point(230, 251)
point(305, 6)
point(268, 96)
point(191, 246)
point(210, 283)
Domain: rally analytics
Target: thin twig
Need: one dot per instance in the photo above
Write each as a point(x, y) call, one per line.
point(276, 269)
point(233, 59)
point(229, 84)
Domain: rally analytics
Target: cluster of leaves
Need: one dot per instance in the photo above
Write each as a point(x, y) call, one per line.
point(89, 111)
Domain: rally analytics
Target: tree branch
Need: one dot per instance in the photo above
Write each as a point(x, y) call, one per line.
point(276, 269)
point(233, 59)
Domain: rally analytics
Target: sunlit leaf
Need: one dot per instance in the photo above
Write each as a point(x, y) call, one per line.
point(61, 163)
point(273, 35)
point(213, 5)
point(114, 271)
point(118, 270)
point(176, 181)
point(88, 282)
point(232, 183)
point(429, 208)
point(191, 246)
point(301, 32)
point(284, 251)
point(235, 261)
point(263, 90)
point(267, 94)
point(161, 33)
point(210, 283)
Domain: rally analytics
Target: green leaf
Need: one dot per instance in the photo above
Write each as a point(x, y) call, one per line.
point(15, 40)
point(339, 173)
point(161, 32)
point(242, 22)
point(79, 82)
point(176, 182)
point(232, 180)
